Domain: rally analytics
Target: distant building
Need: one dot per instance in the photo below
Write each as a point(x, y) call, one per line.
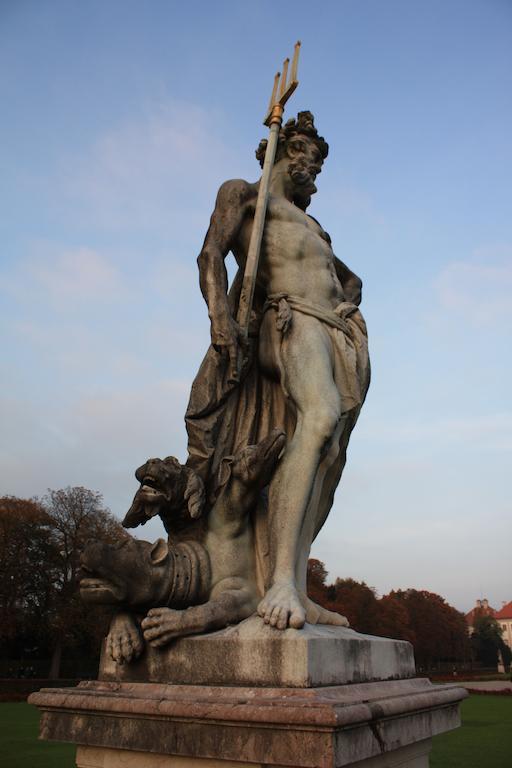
point(482, 608)
point(504, 617)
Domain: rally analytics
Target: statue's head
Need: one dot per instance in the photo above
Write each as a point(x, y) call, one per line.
point(303, 151)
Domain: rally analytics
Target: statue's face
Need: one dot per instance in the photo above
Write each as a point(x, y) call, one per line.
point(305, 163)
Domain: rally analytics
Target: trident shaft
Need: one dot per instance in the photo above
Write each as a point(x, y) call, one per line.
point(281, 92)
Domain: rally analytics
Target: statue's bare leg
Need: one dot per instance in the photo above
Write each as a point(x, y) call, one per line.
point(327, 471)
point(306, 364)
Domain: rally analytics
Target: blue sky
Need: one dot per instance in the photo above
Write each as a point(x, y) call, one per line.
point(119, 122)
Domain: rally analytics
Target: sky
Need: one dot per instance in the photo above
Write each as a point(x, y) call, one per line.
point(121, 119)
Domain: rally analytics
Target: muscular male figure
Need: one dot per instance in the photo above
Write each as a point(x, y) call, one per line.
point(312, 344)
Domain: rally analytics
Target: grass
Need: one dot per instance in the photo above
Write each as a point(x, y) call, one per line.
point(19, 747)
point(484, 740)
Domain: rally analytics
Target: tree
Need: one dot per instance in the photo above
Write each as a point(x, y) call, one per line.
point(355, 600)
point(40, 545)
point(77, 515)
point(437, 631)
point(317, 576)
point(25, 587)
point(440, 631)
point(393, 619)
point(487, 643)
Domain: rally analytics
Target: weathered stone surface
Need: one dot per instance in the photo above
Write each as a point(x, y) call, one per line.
point(252, 653)
point(99, 757)
point(269, 419)
point(412, 756)
point(309, 728)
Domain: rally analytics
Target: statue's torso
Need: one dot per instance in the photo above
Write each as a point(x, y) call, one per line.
point(296, 257)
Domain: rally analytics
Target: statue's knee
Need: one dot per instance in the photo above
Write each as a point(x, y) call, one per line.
point(322, 425)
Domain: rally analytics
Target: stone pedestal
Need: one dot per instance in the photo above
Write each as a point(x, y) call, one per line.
point(378, 717)
point(252, 653)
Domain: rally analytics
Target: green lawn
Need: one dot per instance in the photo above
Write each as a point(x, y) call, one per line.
point(19, 747)
point(484, 740)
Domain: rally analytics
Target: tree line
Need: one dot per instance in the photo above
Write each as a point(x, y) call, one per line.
point(437, 631)
point(42, 616)
point(41, 613)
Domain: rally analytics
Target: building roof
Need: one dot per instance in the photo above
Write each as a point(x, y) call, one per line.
point(505, 612)
point(482, 608)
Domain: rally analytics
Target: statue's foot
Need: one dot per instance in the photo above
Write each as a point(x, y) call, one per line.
point(281, 607)
point(124, 640)
point(316, 614)
point(162, 625)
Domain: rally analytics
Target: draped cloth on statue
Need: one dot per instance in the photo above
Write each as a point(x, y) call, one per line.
point(223, 417)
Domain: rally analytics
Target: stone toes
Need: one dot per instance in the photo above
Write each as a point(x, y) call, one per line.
point(127, 649)
point(274, 616)
point(138, 645)
point(117, 654)
point(298, 618)
point(282, 622)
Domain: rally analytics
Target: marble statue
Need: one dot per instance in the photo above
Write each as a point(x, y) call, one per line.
point(270, 414)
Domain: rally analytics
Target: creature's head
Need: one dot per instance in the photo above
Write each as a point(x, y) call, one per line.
point(254, 465)
point(303, 151)
point(166, 488)
point(133, 573)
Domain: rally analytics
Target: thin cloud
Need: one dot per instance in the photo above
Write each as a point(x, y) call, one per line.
point(75, 275)
point(489, 432)
point(141, 173)
point(477, 292)
point(63, 277)
point(94, 441)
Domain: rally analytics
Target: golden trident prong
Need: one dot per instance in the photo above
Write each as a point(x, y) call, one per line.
point(282, 87)
point(281, 92)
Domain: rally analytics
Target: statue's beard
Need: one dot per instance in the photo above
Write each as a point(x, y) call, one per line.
point(303, 181)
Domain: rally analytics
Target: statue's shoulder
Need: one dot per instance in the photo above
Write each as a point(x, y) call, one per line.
point(236, 192)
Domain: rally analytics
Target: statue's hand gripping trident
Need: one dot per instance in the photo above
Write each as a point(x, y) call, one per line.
point(281, 92)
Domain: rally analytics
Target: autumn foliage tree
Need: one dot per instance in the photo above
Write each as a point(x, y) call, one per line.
point(77, 515)
point(437, 631)
point(316, 578)
point(40, 545)
point(357, 601)
point(26, 587)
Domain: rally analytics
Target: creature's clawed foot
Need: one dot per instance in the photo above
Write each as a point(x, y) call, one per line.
point(316, 614)
point(124, 640)
point(281, 607)
point(162, 625)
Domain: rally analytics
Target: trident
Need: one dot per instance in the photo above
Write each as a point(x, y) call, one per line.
point(281, 92)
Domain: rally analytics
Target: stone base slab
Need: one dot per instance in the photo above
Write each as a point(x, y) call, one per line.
point(326, 727)
point(99, 757)
point(413, 756)
point(252, 653)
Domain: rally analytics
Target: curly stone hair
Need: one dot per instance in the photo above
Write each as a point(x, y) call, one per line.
point(304, 125)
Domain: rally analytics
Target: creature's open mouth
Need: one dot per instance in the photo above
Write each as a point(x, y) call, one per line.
point(150, 489)
point(94, 583)
point(100, 590)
